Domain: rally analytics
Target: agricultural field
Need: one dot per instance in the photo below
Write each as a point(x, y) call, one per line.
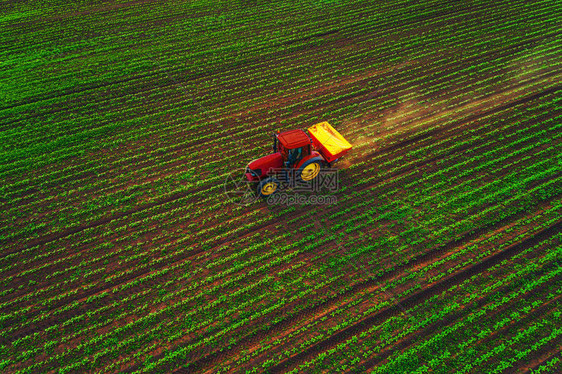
point(121, 123)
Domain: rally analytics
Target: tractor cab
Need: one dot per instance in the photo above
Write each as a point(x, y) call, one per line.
point(294, 145)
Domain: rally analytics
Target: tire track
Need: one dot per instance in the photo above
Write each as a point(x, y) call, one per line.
point(432, 328)
point(411, 301)
point(282, 325)
point(430, 256)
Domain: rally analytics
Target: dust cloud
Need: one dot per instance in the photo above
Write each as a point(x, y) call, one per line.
point(367, 132)
point(538, 61)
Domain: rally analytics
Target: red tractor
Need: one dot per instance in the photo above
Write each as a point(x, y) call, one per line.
point(297, 152)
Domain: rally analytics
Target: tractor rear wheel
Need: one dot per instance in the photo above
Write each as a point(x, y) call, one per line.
point(268, 187)
point(310, 169)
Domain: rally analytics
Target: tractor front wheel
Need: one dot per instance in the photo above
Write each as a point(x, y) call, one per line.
point(268, 187)
point(310, 169)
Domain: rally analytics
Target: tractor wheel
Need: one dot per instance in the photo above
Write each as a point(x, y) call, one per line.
point(268, 187)
point(310, 169)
